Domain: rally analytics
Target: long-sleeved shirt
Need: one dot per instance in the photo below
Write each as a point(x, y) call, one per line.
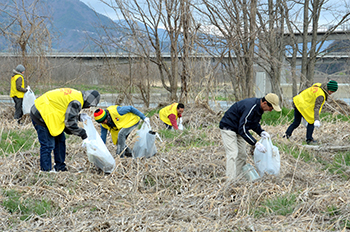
point(243, 116)
point(121, 110)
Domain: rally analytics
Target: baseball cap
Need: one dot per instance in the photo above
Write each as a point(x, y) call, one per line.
point(273, 100)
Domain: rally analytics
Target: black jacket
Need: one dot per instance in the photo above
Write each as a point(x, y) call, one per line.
point(243, 116)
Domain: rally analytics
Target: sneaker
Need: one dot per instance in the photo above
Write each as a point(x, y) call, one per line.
point(286, 136)
point(311, 142)
point(62, 170)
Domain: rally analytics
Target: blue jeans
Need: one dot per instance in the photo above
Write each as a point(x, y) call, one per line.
point(296, 123)
point(49, 143)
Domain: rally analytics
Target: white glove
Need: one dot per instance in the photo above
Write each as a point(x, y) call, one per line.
point(260, 147)
point(85, 141)
point(147, 121)
point(317, 123)
point(180, 120)
point(181, 127)
point(264, 134)
point(28, 88)
point(84, 117)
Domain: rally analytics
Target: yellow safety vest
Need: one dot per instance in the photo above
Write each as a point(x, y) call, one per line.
point(14, 92)
point(166, 111)
point(53, 106)
point(305, 101)
point(121, 121)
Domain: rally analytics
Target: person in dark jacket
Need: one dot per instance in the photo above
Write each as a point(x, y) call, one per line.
point(308, 105)
point(57, 112)
point(17, 90)
point(241, 117)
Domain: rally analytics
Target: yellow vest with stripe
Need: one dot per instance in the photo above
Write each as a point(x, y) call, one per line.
point(121, 121)
point(305, 101)
point(166, 111)
point(53, 106)
point(14, 92)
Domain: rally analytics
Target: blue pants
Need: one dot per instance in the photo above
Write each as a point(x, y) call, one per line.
point(296, 123)
point(49, 143)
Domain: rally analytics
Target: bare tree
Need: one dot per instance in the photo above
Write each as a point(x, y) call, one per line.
point(149, 25)
point(271, 45)
point(311, 15)
point(234, 23)
point(26, 29)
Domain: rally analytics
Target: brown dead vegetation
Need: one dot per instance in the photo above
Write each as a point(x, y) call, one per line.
point(181, 188)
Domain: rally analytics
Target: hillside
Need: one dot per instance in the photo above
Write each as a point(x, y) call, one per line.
point(72, 25)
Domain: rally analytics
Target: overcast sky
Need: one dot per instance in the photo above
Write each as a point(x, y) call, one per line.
point(327, 17)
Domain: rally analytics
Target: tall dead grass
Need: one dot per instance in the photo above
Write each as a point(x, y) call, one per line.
point(182, 188)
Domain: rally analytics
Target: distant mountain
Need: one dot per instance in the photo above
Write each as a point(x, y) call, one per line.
point(73, 25)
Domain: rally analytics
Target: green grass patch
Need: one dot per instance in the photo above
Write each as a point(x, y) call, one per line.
point(280, 205)
point(14, 140)
point(340, 164)
point(296, 152)
point(25, 206)
point(274, 118)
point(152, 112)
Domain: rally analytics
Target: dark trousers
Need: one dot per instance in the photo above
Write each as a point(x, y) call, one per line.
point(168, 126)
point(18, 107)
point(49, 143)
point(296, 123)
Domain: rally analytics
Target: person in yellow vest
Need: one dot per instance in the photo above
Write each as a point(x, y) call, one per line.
point(170, 114)
point(120, 121)
point(17, 90)
point(55, 113)
point(308, 104)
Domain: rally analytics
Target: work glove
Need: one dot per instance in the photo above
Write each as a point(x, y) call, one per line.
point(264, 134)
point(147, 121)
point(260, 147)
point(180, 120)
point(85, 141)
point(317, 123)
point(83, 117)
point(28, 88)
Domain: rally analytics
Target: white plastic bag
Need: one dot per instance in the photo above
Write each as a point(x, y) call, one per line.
point(181, 126)
point(269, 161)
point(145, 145)
point(28, 101)
point(97, 151)
point(304, 122)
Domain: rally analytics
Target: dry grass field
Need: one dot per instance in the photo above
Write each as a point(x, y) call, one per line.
point(182, 188)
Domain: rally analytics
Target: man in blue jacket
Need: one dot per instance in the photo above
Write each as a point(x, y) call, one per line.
point(241, 117)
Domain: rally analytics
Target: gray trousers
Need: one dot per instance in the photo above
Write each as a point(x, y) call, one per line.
point(235, 148)
point(122, 148)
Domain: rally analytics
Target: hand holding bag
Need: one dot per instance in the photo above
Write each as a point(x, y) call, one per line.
point(269, 161)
